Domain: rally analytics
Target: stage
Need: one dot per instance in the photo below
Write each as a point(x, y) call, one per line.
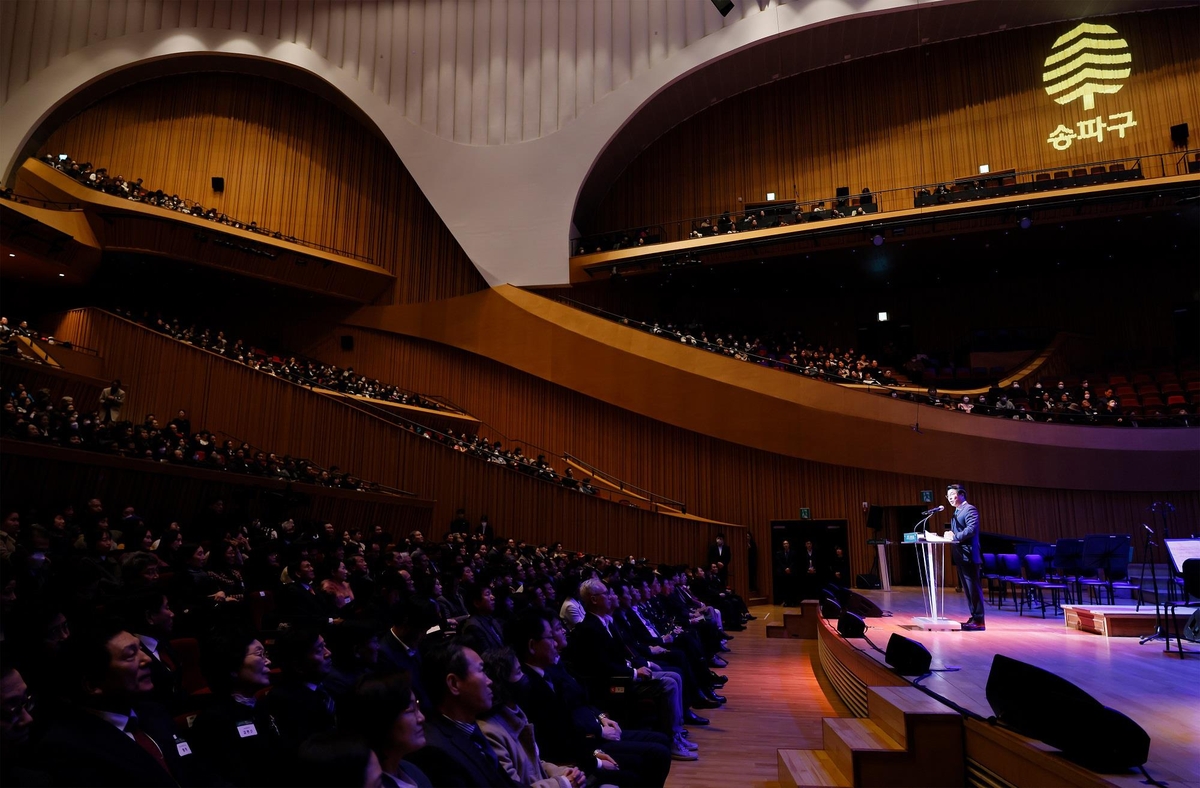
point(1159, 691)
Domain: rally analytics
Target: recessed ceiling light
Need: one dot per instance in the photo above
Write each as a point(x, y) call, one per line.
point(10, 254)
point(62, 274)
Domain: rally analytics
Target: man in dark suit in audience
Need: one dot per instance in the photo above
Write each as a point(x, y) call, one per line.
point(718, 554)
point(298, 602)
point(456, 753)
point(110, 737)
point(298, 701)
point(148, 616)
point(785, 574)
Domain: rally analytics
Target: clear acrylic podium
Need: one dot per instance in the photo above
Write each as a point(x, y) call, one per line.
point(931, 565)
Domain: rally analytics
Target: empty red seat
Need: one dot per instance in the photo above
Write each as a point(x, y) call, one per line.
point(1190, 374)
point(1175, 400)
point(1078, 172)
point(1042, 176)
point(1141, 377)
point(1152, 400)
point(1125, 391)
point(1171, 387)
point(1098, 169)
point(1061, 174)
point(1192, 385)
point(1117, 379)
point(1146, 388)
point(1116, 168)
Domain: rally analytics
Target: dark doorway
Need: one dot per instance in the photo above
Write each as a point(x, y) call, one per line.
point(893, 522)
point(826, 536)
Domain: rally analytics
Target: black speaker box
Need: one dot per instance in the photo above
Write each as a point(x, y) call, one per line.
point(843, 195)
point(834, 591)
point(830, 608)
point(347, 342)
point(1179, 135)
point(723, 6)
point(867, 581)
point(1191, 630)
point(908, 657)
point(1038, 704)
point(851, 626)
point(218, 183)
point(860, 605)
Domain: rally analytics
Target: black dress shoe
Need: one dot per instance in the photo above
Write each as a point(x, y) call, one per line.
point(725, 649)
point(973, 627)
point(704, 702)
point(718, 699)
point(691, 718)
point(717, 678)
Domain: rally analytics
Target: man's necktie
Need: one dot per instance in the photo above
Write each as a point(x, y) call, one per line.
point(143, 740)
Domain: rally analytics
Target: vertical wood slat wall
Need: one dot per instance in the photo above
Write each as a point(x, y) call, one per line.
point(717, 479)
point(291, 161)
point(161, 375)
point(919, 116)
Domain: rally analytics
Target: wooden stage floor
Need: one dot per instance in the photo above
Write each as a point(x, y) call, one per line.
point(1158, 691)
point(778, 694)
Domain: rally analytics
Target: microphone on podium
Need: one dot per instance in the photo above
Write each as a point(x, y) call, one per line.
point(934, 510)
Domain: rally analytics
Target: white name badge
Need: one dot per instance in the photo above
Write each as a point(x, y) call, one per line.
point(247, 730)
point(182, 748)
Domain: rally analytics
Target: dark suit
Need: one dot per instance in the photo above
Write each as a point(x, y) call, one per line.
point(787, 585)
point(299, 712)
point(453, 759)
point(301, 607)
point(720, 554)
point(82, 749)
point(249, 760)
point(168, 680)
point(965, 525)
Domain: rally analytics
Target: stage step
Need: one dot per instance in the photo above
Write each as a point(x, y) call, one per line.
point(908, 715)
point(798, 624)
point(852, 743)
point(809, 769)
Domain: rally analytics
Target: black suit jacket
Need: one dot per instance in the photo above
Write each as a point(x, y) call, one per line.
point(299, 712)
point(965, 525)
point(556, 724)
point(168, 683)
point(300, 607)
point(598, 655)
point(82, 749)
point(452, 760)
point(248, 761)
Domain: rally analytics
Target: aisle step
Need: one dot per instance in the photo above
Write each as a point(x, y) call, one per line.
point(908, 715)
point(852, 743)
point(809, 769)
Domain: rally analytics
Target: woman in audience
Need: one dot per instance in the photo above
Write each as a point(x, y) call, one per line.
point(335, 586)
point(225, 569)
point(386, 714)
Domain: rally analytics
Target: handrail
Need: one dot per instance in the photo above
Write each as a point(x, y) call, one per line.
point(378, 486)
point(908, 394)
point(623, 485)
point(21, 199)
point(685, 227)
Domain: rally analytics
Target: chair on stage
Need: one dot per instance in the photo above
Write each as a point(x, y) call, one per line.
point(1066, 564)
point(1106, 558)
point(990, 576)
point(1191, 600)
point(1036, 585)
point(1009, 567)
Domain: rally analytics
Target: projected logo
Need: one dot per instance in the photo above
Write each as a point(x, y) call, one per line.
point(1091, 59)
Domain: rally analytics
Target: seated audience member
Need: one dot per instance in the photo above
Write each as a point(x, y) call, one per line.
point(567, 728)
point(337, 760)
point(510, 733)
point(386, 714)
point(149, 617)
point(234, 732)
point(298, 602)
point(355, 649)
point(298, 701)
point(16, 721)
point(599, 653)
point(335, 585)
point(113, 737)
point(482, 631)
point(456, 753)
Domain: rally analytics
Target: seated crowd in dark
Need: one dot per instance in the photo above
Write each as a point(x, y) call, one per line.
point(40, 417)
point(116, 185)
point(306, 372)
point(226, 652)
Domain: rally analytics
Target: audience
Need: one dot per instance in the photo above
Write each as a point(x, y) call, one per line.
point(352, 671)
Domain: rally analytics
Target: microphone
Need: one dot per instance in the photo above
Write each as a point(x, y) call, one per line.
point(934, 510)
point(1148, 528)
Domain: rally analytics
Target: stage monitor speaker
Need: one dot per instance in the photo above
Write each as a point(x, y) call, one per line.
point(1036, 703)
point(1191, 629)
point(851, 626)
point(834, 591)
point(1179, 135)
point(218, 183)
point(723, 6)
point(347, 342)
point(830, 608)
point(908, 657)
point(868, 582)
point(860, 605)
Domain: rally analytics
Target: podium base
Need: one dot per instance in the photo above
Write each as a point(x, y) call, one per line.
point(936, 624)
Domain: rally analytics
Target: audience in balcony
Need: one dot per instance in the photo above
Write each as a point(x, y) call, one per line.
point(306, 372)
point(116, 185)
point(272, 681)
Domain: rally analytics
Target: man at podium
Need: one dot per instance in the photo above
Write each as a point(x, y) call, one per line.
point(965, 526)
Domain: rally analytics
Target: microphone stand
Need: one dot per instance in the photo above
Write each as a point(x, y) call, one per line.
point(1160, 628)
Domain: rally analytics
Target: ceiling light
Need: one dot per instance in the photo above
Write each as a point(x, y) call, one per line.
point(62, 274)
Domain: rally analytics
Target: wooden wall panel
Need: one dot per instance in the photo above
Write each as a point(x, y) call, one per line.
point(917, 116)
point(718, 479)
point(291, 161)
point(162, 375)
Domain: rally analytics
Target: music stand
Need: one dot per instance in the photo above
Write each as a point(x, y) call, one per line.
point(1107, 553)
point(1068, 559)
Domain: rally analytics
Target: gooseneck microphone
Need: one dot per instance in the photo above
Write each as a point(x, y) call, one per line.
point(934, 510)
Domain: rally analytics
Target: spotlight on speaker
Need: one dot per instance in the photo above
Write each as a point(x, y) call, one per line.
point(851, 625)
point(1038, 704)
point(907, 657)
point(723, 6)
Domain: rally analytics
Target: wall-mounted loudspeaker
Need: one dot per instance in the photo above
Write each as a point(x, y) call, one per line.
point(347, 342)
point(723, 6)
point(218, 183)
point(907, 657)
point(1179, 135)
point(1038, 704)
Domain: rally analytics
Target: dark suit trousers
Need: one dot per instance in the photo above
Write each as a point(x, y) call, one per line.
point(971, 582)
